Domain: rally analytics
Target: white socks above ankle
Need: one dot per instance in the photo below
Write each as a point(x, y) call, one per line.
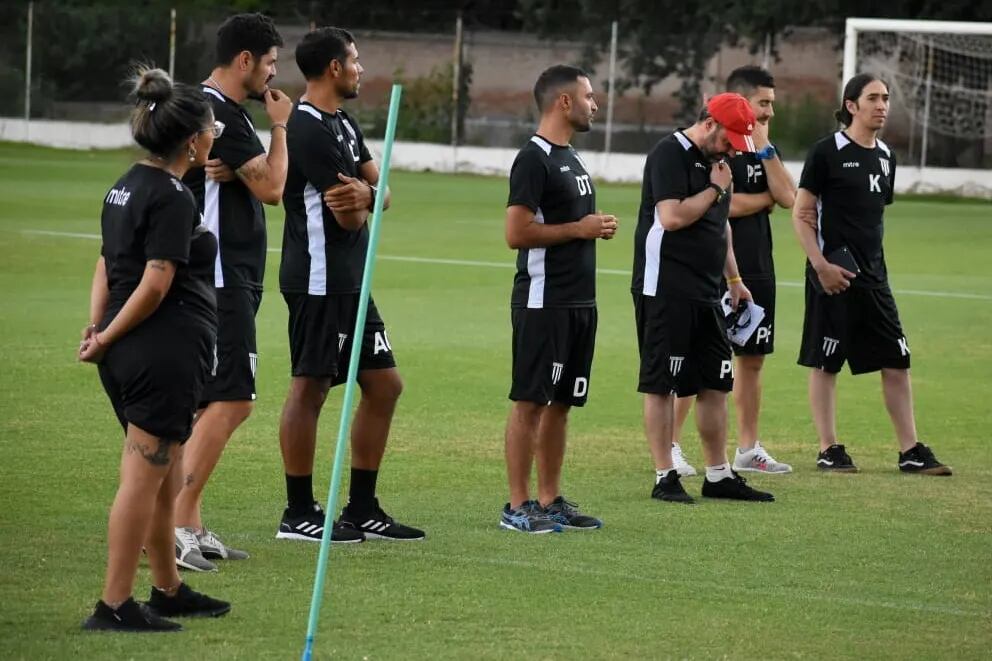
point(717, 473)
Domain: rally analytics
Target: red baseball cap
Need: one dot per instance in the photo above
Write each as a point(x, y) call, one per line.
point(733, 113)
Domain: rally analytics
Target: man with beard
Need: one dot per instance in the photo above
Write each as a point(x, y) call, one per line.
point(682, 251)
point(229, 191)
point(760, 182)
point(330, 192)
point(551, 220)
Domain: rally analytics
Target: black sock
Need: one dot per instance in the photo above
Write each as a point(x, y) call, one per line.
point(299, 494)
point(361, 493)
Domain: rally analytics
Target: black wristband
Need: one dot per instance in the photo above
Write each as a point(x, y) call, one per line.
point(720, 192)
point(374, 191)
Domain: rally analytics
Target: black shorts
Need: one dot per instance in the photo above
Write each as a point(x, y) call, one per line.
point(154, 375)
point(860, 326)
point(236, 356)
point(683, 346)
point(552, 354)
point(320, 334)
point(762, 341)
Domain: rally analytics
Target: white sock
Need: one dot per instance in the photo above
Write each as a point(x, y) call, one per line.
point(717, 473)
point(660, 473)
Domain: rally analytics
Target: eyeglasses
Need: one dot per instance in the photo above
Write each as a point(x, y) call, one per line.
point(217, 129)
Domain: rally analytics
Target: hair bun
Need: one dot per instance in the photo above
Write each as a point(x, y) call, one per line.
point(152, 85)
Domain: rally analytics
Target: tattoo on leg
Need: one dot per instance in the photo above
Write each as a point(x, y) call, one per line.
point(189, 479)
point(157, 457)
point(161, 455)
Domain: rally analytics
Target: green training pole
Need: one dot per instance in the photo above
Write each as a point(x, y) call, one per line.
point(349, 388)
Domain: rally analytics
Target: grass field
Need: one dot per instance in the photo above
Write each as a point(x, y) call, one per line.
point(875, 565)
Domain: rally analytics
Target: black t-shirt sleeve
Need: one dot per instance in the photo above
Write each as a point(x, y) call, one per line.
point(239, 143)
point(317, 152)
point(528, 177)
point(364, 155)
point(668, 173)
point(169, 224)
point(815, 171)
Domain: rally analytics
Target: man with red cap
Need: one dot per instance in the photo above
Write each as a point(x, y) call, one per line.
point(682, 253)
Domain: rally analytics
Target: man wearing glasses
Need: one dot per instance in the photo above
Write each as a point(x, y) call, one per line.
point(230, 191)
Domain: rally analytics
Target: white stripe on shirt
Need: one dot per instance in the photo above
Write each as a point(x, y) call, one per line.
point(316, 247)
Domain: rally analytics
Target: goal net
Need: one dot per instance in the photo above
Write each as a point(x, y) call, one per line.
point(940, 80)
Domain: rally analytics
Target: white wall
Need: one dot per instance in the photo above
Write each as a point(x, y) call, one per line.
point(419, 156)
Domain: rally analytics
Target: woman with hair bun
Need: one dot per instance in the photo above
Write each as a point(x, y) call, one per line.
point(153, 325)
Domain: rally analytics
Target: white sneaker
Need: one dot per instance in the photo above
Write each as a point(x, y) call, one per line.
point(757, 460)
point(188, 553)
point(681, 466)
point(211, 547)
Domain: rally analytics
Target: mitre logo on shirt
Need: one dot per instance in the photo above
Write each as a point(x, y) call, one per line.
point(852, 164)
point(118, 196)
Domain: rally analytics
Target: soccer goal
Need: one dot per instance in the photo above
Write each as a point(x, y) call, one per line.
point(940, 80)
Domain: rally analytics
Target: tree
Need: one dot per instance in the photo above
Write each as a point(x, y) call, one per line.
point(661, 38)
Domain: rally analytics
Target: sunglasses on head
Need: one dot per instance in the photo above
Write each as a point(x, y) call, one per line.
point(217, 129)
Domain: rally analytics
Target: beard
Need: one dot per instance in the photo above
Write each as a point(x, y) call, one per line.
point(709, 149)
point(349, 92)
point(258, 93)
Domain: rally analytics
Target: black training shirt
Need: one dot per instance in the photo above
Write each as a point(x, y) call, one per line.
point(687, 263)
point(230, 210)
point(752, 234)
point(853, 184)
point(149, 214)
point(319, 256)
point(552, 181)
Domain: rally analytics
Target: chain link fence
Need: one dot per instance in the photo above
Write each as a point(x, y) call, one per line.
point(81, 53)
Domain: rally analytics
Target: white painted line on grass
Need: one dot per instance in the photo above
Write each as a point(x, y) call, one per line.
point(512, 265)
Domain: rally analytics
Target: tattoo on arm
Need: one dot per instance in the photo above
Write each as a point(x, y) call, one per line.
point(254, 170)
point(157, 457)
point(157, 264)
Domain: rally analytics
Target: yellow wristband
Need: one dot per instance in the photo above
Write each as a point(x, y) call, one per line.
point(734, 281)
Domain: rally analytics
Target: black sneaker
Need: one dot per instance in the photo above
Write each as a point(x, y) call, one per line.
point(670, 489)
point(187, 603)
point(310, 528)
point(734, 488)
point(376, 524)
point(836, 460)
point(129, 616)
point(567, 514)
point(919, 459)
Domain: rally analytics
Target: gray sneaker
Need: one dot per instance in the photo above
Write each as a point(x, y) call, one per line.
point(188, 554)
point(529, 518)
point(212, 548)
point(757, 460)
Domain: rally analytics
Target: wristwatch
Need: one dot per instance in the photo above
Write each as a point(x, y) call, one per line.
point(721, 193)
point(767, 153)
point(375, 191)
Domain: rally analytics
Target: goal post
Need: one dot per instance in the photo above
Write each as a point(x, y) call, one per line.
point(940, 78)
